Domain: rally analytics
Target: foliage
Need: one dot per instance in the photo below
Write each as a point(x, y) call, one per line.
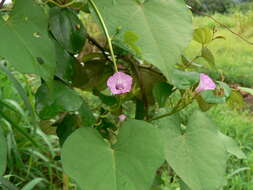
point(211, 6)
point(70, 98)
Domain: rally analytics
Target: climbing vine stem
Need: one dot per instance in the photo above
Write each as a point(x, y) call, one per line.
point(109, 40)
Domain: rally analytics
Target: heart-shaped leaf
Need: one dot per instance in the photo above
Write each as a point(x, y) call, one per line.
point(26, 42)
point(163, 27)
point(196, 152)
point(130, 164)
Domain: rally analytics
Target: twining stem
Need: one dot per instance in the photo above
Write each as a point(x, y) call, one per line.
point(176, 109)
point(109, 40)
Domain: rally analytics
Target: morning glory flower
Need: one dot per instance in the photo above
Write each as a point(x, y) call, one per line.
point(122, 117)
point(120, 83)
point(206, 83)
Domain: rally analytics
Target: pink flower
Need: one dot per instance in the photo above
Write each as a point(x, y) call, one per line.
point(120, 83)
point(206, 83)
point(122, 117)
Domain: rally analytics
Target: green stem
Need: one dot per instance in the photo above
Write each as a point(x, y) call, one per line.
point(175, 110)
point(106, 34)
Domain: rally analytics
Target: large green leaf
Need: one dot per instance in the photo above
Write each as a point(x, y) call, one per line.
point(67, 29)
point(163, 27)
point(50, 102)
point(26, 42)
point(196, 153)
point(128, 165)
point(3, 152)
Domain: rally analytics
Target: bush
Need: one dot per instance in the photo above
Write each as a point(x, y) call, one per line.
point(211, 5)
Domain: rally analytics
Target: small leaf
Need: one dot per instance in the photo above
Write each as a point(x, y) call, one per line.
point(59, 98)
point(210, 97)
point(248, 90)
point(227, 90)
point(87, 117)
point(208, 56)
point(232, 147)
point(67, 29)
point(203, 35)
point(130, 164)
point(107, 100)
point(161, 92)
point(184, 80)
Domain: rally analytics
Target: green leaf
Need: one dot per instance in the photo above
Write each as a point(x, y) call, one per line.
point(87, 117)
point(227, 90)
point(107, 100)
point(161, 92)
point(203, 35)
point(184, 80)
point(208, 56)
point(93, 74)
point(195, 152)
point(59, 98)
point(67, 29)
point(130, 164)
point(210, 98)
point(204, 106)
point(161, 39)
point(3, 152)
point(232, 147)
point(149, 78)
point(248, 90)
point(65, 64)
point(65, 128)
point(26, 42)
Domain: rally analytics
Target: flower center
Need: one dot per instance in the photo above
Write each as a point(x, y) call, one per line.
point(119, 86)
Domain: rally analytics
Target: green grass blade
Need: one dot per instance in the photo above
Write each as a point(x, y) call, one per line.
point(21, 92)
point(19, 129)
point(32, 184)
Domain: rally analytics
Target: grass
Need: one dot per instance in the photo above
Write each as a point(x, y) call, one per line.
point(239, 126)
